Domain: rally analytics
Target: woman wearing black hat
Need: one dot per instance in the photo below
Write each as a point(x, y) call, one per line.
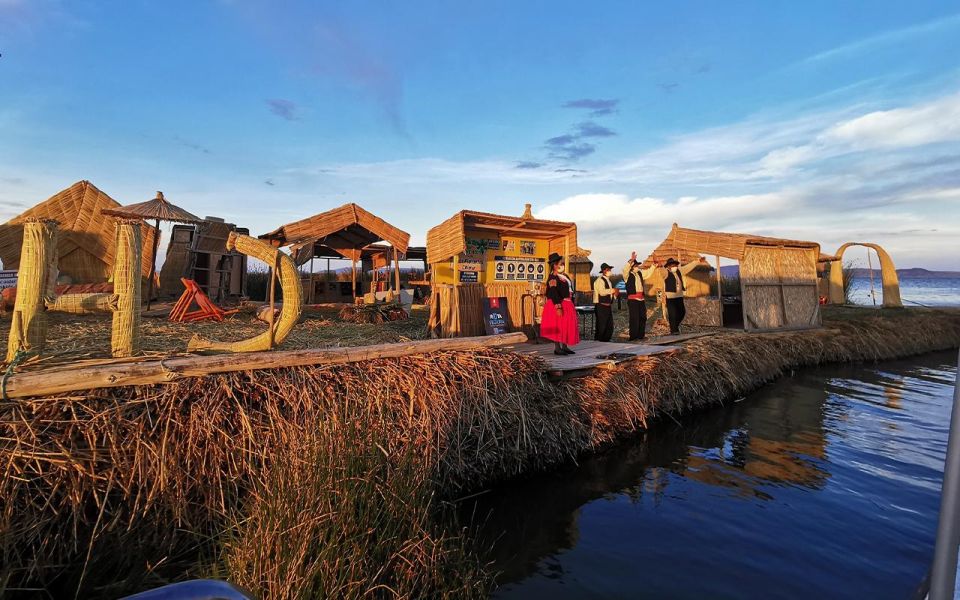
point(559, 320)
point(603, 295)
point(673, 289)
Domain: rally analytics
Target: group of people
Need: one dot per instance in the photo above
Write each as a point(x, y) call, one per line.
point(559, 321)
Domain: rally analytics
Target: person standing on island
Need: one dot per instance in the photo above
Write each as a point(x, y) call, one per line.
point(673, 289)
point(603, 295)
point(632, 275)
point(559, 321)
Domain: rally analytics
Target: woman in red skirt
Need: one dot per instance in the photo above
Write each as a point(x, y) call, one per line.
point(559, 320)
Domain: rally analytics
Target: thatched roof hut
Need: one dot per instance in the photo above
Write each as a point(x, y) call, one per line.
point(87, 239)
point(778, 277)
point(344, 231)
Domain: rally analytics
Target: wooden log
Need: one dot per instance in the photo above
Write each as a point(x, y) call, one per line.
point(146, 372)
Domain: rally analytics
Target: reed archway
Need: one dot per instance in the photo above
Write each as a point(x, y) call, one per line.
point(888, 275)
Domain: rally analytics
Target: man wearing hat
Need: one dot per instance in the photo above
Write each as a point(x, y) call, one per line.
point(636, 304)
point(673, 290)
point(603, 295)
point(558, 322)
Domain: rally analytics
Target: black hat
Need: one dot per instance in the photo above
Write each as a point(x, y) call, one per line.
point(554, 258)
point(670, 262)
point(604, 267)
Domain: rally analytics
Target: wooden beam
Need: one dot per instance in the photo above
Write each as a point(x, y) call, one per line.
point(396, 272)
point(719, 290)
point(148, 372)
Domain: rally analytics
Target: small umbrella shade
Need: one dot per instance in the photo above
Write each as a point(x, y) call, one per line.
point(157, 209)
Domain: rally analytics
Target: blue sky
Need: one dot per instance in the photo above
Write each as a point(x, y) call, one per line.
point(831, 121)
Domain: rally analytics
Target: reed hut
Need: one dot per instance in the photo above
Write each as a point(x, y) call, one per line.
point(86, 246)
point(778, 277)
point(476, 255)
point(343, 232)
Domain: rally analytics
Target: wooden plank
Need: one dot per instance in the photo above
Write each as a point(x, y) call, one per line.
point(589, 355)
point(71, 379)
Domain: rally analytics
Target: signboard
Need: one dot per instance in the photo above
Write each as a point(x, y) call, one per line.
point(8, 279)
point(469, 276)
point(495, 315)
point(519, 268)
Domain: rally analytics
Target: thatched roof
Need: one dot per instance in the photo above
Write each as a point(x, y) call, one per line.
point(727, 245)
point(346, 230)
point(87, 238)
point(156, 209)
point(666, 250)
point(448, 239)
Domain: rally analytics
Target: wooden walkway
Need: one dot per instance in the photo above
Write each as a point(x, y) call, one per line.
point(589, 355)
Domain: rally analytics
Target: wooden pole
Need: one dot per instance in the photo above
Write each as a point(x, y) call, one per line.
point(719, 289)
point(566, 254)
point(147, 372)
point(153, 262)
point(396, 271)
point(353, 277)
point(873, 292)
point(313, 286)
point(456, 270)
point(273, 274)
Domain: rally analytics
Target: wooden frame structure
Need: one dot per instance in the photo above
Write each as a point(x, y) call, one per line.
point(778, 277)
point(888, 275)
point(345, 232)
point(87, 243)
point(456, 305)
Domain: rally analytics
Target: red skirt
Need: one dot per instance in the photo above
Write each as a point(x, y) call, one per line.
point(564, 329)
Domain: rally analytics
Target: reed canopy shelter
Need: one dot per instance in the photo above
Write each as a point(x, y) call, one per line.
point(778, 277)
point(87, 241)
point(476, 255)
point(347, 232)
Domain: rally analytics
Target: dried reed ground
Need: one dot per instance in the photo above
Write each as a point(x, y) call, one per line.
point(318, 482)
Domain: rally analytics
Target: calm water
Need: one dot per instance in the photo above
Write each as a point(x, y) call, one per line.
point(927, 292)
point(824, 484)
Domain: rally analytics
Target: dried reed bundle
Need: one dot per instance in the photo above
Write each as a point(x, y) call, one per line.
point(82, 304)
point(36, 281)
point(292, 298)
point(125, 338)
point(373, 313)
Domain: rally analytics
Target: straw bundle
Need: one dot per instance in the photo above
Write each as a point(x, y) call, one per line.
point(36, 282)
point(125, 339)
point(82, 304)
point(292, 298)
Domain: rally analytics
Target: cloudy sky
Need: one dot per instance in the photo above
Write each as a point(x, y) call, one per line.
point(830, 121)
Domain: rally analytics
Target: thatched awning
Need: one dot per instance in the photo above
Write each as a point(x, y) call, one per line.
point(448, 239)
point(346, 230)
point(727, 245)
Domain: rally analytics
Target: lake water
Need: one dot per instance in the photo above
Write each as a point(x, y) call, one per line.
point(913, 292)
point(823, 484)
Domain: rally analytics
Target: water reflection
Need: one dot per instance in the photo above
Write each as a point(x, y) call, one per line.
point(793, 461)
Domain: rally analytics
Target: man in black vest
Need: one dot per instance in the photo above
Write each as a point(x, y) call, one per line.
point(603, 295)
point(635, 300)
point(673, 289)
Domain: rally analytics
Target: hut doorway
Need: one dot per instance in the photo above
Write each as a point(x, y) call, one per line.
point(888, 276)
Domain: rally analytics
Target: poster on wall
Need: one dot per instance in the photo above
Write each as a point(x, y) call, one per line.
point(519, 268)
point(474, 246)
point(470, 271)
point(495, 315)
point(8, 279)
point(528, 248)
point(509, 246)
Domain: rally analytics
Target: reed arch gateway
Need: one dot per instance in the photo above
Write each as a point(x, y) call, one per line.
point(888, 275)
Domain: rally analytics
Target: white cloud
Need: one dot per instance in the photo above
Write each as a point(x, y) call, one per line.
point(887, 38)
point(928, 123)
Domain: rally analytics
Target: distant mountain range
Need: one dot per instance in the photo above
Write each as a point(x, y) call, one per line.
point(915, 273)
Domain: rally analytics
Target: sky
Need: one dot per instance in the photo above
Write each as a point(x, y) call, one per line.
point(821, 120)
